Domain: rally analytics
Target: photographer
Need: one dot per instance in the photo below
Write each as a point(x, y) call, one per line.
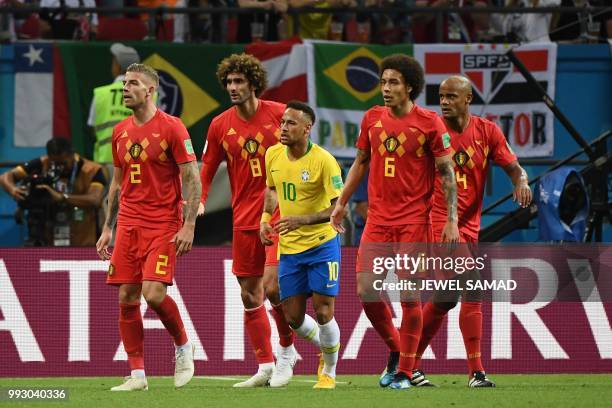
point(61, 192)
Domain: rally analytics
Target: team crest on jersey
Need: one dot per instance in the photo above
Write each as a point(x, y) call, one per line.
point(391, 144)
point(305, 176)
point(461, 157)
point(135, 151)
point(251, 146)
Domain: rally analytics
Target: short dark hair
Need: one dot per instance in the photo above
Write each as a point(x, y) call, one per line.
point(247, 65)
point(410, 69)
point(303, 107)
point(58, 146)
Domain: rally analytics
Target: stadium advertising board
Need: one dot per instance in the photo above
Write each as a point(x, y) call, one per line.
point(59, 318)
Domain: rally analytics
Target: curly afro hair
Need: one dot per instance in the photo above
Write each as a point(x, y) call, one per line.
point(410, 69)
point(247, 65)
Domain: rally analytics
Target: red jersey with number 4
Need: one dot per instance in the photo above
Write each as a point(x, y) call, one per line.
point(243, 145)
point(473, 149)
point(148, 155)
point(402, 166)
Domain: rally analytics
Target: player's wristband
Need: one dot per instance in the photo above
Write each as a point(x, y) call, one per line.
point(265, 217)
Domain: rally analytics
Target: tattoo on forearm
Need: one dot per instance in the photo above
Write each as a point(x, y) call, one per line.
point(113, 208)
point(449, 186)
point(363, 157)
point(193, 188)
point(270, 201)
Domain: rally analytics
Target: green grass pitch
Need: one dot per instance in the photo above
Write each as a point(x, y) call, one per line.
point(579, 390)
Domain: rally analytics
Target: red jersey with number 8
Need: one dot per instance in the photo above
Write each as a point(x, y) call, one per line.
point(148, 155)
point(402, 166)
point(243, 144)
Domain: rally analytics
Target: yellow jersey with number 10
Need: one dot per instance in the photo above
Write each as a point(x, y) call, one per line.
point(304, 186)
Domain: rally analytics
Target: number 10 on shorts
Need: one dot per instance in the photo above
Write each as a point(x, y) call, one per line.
point(334, 268)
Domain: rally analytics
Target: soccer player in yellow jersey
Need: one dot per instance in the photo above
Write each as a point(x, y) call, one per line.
point(307, 181)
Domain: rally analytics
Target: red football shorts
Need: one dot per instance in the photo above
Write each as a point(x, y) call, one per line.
point(463, 237)
point(142, 254)
point(388, 240)
point(467, 248)
point(272, 252)
point(249, 253)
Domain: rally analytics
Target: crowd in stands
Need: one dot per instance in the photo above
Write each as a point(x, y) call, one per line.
point(276, 20)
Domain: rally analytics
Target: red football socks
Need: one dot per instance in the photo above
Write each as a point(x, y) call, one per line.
point(433, 317)
point(410, 333)
point(257, 326)
point(132, 334)
point(470, 323)
point(285, 334)
point(379, 314)
point(169, 315)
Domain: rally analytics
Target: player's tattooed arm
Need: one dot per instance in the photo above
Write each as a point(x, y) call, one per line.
point(192, 186)
point(287, 224)
point(270, 200)
point(521, 193)
point(444, 165)
point(449, 185)
point(356, 173)
point(190, 177)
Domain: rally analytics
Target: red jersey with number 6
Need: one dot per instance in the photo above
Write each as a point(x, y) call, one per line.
point(402, 166)
point(480, 141)
point(149, 155)
point(243, 144)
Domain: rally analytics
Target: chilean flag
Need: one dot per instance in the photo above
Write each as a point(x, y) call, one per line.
point(285, 63)
point(40, 103)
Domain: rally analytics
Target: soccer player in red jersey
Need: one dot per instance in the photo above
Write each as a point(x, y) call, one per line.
point(402, 144)
point(154, 162)
point(241, 135)
point(475, 143)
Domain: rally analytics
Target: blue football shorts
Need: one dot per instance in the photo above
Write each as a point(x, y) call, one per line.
point(314, 270)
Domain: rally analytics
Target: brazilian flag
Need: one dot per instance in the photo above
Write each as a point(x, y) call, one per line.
point(347, 76)
point(188, 83)
point(346, 85)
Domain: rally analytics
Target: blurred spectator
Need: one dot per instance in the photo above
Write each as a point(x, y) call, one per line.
point(201, 28)
point(316, 25)
point(582, 26)
point(7, 21)
point(19, 25)
point(59, 23)
point(257, 27)
point(456, 27)
point(164, 22)
point(118, 27)
point(525, 27)
point(107, 107)
point(389, 28)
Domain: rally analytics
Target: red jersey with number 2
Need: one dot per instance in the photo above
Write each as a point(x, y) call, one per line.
point(243, 144)
point(149, 155)
point(473, 149)
point(402, 166)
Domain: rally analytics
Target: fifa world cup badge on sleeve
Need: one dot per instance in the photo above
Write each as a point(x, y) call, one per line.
point(188, 146)
point(446, 140)
point(337, 182)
